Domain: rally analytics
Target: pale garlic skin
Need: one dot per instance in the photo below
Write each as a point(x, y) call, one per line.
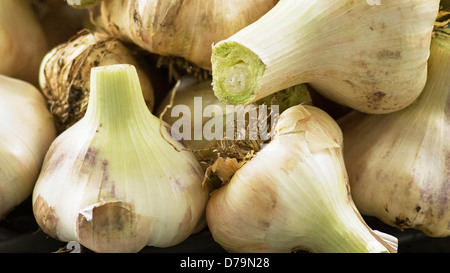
point(184, 29)
point(23, 41)
point(399, 164)
point(112, 183)
point(26, 132)
point(372, 58)
point(293, 195)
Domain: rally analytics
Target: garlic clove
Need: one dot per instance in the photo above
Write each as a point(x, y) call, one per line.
point(293, 195)
point(26, 132)
point(115, 182)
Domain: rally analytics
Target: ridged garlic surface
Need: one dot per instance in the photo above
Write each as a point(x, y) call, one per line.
point(112, 182)
point(184, 29)
point(26, 132)
point(399, 164)
point(372, 58)
point(64, 74)
point(293, 195)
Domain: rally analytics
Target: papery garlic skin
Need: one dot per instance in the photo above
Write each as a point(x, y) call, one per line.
point(399, 164)
point(372, 58)
point(26, 132)
point(22, 41)
point(112, 182)
point(293, 195)
point(185, 29)
point(64, 75)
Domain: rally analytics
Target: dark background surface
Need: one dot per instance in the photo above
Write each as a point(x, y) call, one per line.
point(19, 233)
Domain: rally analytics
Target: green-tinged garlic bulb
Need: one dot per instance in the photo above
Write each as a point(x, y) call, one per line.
point(114, 181)
point(22, 41)
point(185, 29)
point(372, 58)
point(64, 75)
point(26, 132)
point(294, 195)
point(399, 164)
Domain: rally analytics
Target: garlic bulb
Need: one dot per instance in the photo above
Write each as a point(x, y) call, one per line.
point(113, 181)
point(64, 76)
point(372, 58)
point(399, 164)
point(293, 195)
point(185, 29)
point(23, 42)
point(26, 132)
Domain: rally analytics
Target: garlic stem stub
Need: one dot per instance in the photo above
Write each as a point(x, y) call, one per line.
point(399, 164)
point(293, 195)
point(112, 182)
point(372, 58)
point(26, 132)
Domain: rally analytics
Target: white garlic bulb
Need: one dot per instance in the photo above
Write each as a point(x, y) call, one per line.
point(294, 195)
point(399, 163)
point(26, 132)
point(114, 181)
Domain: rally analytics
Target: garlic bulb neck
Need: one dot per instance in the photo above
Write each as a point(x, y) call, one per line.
point(116, 101)
point(64, 75)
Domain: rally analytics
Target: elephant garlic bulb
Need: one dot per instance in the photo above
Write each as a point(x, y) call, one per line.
point(184, 29)
point(22, 41)
point(399, 163)
point(114, 181)
point(294, 195)
point(64, 75)
point(372, 58)
point(26, 132)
